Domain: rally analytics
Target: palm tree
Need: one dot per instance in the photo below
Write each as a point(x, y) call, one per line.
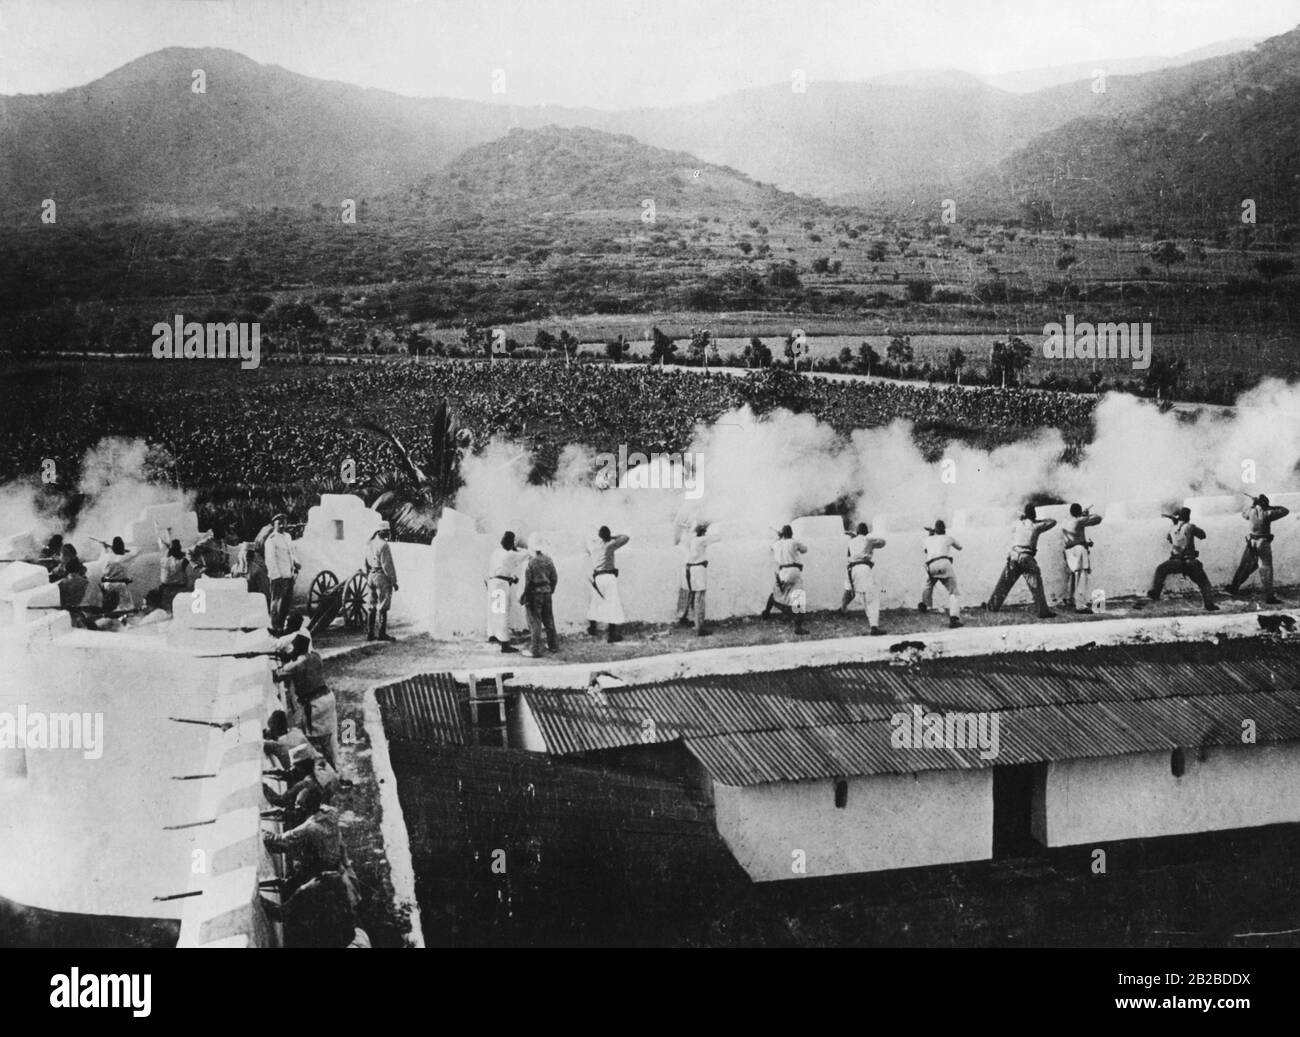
point(409, 496)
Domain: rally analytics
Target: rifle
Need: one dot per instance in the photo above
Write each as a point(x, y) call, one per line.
point(235, 655)
point(49, 563)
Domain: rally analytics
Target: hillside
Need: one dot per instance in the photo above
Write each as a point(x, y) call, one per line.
point(558, 170)
point(138, 140)
point(1218, 134)
point(259, 136)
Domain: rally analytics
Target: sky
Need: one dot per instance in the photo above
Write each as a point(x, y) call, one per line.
point(611, 53)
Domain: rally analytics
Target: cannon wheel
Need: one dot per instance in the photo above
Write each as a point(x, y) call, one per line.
point(320, 588)
point(354, 602)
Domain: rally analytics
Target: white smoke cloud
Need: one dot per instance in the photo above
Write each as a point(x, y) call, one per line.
point(765, 471)
point(118, 480)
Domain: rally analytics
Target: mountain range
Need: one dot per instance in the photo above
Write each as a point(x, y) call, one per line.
point(1191, 137)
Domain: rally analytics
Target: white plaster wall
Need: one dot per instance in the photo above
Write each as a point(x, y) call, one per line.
point(91, 835)
point(890, 821)
point(1129, 544)
point(1137, 796)
point(320, 548)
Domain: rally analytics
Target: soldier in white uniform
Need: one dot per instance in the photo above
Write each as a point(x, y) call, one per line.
point(1078, 555)
point(114, 582)
point(859, 580)
point(694, 578)
point(937, 550)
point(788, 594)
point(605, 606)
point(502, 575)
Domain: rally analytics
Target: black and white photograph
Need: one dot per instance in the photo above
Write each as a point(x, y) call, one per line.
point(712, 474)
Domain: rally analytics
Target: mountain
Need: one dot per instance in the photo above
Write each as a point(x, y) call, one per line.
point(259, 136)
point(885, 143)
point(1029, 80)
point(557, 170)
point(140, 141)
point(1220, 131)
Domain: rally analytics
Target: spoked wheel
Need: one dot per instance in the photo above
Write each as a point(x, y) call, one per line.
point(320, 588)
point(354, 602)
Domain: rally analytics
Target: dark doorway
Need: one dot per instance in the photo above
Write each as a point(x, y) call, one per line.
point(1013, 805)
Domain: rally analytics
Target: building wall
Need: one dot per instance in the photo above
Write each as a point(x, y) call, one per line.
point(106, 830)
point(889, 821)
point(335, 538)
point(1137, 796)
point(1129, 544)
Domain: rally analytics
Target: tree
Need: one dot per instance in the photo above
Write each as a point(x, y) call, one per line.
point(868, 359)
point(412, 496)
point(956, 361)
point(756, 354)
point(568, 343)
point(784, 276)
point(699, 345)
point(877, 252)
point(544, 340)
point(1166, 253)
point(1008, 359)
point(900, 350)
point(475, 340)
point(616, 348)
point(919, 291)
point(1164, 374)
point(662, 347)
point(821, 264)
point(846, 357)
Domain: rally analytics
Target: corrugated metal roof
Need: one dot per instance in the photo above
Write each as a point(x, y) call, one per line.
point(835, 720)
point(425, 708)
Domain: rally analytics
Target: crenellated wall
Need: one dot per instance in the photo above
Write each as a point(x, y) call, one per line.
point(1130, 542)
point(169, 801)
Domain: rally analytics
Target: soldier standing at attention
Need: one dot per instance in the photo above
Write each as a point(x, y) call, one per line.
point(1259, 548)
point(1021, 562)
point(540, 581)
point(281, 566)
point(1078, 558)
point(1182, 558)
point(503, 573)
point(381, 581)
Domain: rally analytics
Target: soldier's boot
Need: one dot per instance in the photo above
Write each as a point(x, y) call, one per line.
point(370, 627)
point(384, 635)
